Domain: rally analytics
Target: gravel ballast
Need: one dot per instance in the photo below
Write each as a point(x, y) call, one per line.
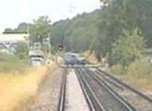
point(47, 98)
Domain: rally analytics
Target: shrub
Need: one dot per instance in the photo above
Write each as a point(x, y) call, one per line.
point(117, 69)
point(128, 48)
point(10, 63)
point(140, 68)
point(22, 51)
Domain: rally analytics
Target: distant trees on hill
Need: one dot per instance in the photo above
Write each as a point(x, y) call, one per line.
point(21, 28)
point(100, 30)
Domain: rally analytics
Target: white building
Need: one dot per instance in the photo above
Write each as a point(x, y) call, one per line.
point(14, 38)
point(8, 42)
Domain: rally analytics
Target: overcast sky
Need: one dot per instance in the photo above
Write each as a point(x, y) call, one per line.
point(12, 12)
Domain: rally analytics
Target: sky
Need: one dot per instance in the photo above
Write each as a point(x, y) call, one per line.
point(13, 12)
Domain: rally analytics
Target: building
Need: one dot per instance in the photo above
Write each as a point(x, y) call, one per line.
point(8, 42)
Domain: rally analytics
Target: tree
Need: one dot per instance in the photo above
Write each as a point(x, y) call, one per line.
point(22, 51)
point(40, 29)
point(105, 1)
point(8, 30)
point(77, 34)
point(129, 14)
point(128, 48)
point(21, 28)
point(58, 33)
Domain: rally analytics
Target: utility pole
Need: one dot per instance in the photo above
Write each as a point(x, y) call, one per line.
point(49, 45)
point(28, 33)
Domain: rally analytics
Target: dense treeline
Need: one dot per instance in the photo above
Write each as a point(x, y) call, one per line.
point(76, 34)
point(21, 28)
point(102, 31)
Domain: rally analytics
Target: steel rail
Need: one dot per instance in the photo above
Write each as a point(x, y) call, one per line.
point(125, 85)
point(90, 103)
point(112, 92)
point(93, 95)
point(61, 103)
point(111, 81)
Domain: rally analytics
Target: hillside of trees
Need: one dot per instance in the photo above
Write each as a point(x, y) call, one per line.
point(102, 31)
point(76, 34)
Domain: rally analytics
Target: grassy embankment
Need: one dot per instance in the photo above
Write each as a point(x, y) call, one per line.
point(139, 74)
point(18, 83)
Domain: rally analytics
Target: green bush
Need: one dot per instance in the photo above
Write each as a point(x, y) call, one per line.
point(117, 69)
point(128, 48)
point(140, 68)
point(22, 51)
point(10, 63)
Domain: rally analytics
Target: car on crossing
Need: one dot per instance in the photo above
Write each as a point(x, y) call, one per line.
point(73, 59)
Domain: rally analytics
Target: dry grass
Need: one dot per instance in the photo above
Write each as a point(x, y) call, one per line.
point(138, 74)
point(16, 89)
point(90, 57)
point(141, 83)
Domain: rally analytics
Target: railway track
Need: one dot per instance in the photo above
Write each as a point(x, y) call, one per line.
point(92, 100)
point(61, 103)
point(97, 87)
point(99, 95)
point(119, 84)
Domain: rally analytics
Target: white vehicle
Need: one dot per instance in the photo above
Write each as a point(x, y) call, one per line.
point(36, 57)
point(37, 61)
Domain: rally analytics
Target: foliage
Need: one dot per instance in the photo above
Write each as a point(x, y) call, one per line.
point(128, 48)
point(21, 28)
point(76, 34)
point(138, 73)
point(8, 30)
point(99, 30)
point(140, 68)
point(40, 29)
point(58, 33)
point(122, 15)
point(22, 51)
point(11, 63)
point(118, 69)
